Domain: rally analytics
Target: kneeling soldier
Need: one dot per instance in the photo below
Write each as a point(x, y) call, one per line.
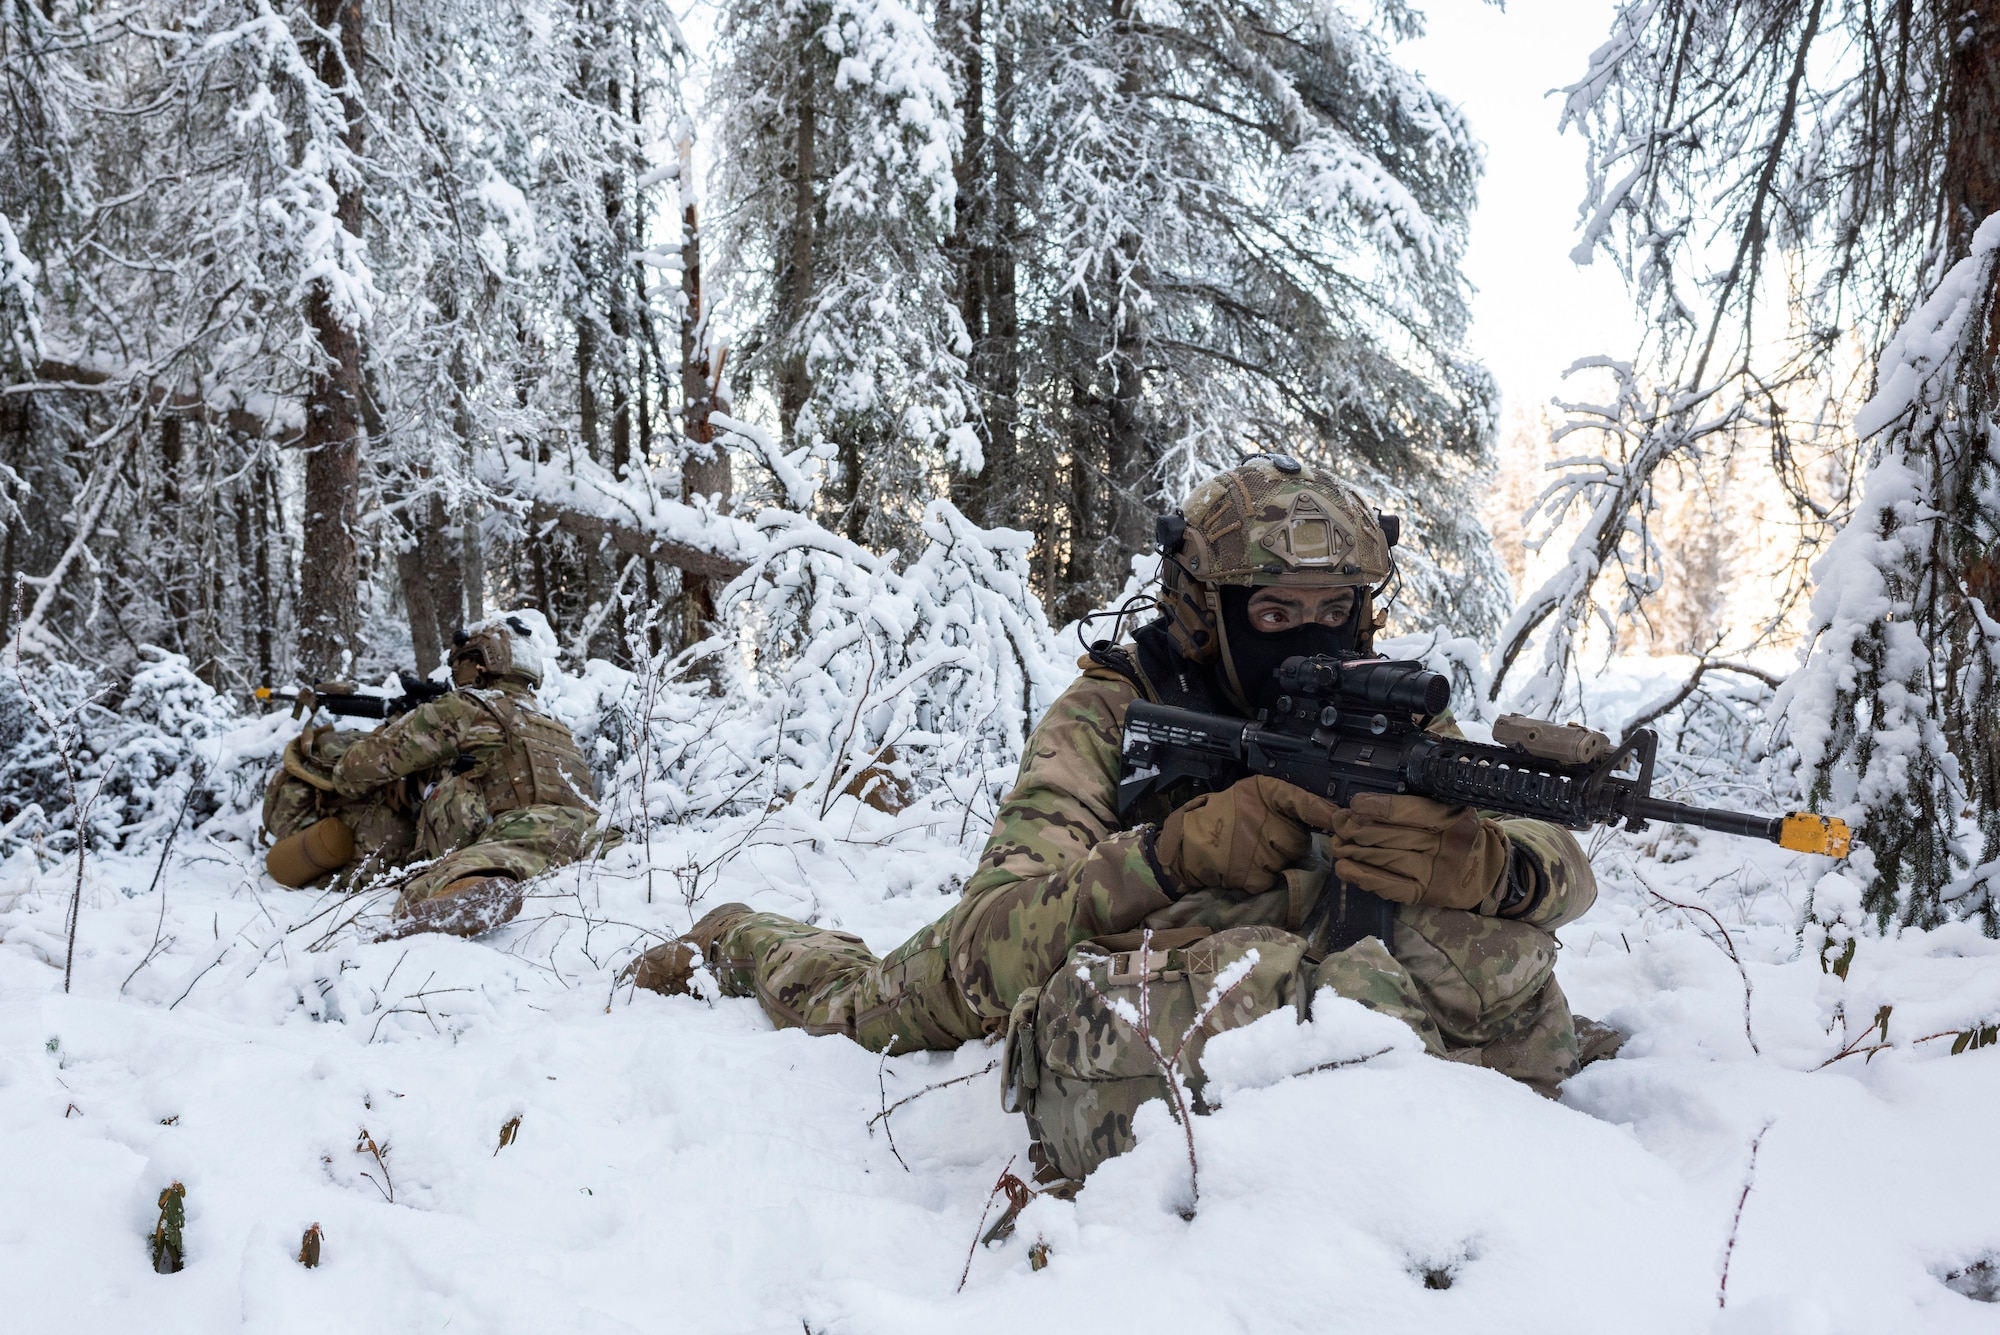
point(1275, 560)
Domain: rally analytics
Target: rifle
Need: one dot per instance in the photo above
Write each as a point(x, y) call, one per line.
point(1344, 724)
point(341, 698)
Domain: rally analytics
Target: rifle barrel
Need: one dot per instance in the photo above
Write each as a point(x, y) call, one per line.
point(1708, 818)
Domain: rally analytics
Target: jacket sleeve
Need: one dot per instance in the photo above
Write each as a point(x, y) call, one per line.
point(1059, 868)
point(1548, 874)
point(422, 739)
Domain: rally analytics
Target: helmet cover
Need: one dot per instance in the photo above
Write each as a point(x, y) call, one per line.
point(495, 651)
point(1271, 520)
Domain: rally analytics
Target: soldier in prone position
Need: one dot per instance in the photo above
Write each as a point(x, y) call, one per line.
point(1267, 561)
point(501, 791)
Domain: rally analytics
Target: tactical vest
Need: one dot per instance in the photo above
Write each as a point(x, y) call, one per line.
point(538, 766)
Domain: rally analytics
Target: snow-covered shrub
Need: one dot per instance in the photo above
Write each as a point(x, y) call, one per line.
point(135, 746)
point(831, 665)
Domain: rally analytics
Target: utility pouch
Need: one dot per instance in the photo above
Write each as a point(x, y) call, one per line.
point(1078, 1065)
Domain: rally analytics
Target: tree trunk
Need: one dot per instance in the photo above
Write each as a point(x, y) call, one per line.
point(999, 367)
point(329, 576)
point(245, 504)
point(172, 573)
point(704, 464)
point(616, 361)
point(1972, 141)
point(474, 569)
point(1129, 450)
point(1965, 546)
point(417, 604)
point(446, 578)
point(586, 392)
point(795, 279)
point(961, 30)
point(269, 519)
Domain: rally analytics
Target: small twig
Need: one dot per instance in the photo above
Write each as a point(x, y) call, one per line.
point(882, 1090)
point(1177, 1102)
point(194, 779)
point(980, 1231)
point(927, 1089)
point(380, 1153)
point(1728, 946)
point(1344, 1061)
point(1729, 1248)
point(203, 974)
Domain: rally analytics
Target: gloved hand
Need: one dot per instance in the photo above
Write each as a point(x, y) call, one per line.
point(1241, 838)
point(1416, 851)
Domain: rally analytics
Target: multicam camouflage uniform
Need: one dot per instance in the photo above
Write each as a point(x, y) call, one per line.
point(1062, 868)
point(508, 793)
point(302, 793)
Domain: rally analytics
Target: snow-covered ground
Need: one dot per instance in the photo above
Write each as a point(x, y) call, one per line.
point(679, 1165)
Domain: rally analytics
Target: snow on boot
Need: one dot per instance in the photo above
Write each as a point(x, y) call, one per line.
point(669, 968)
point(1596, 1041)
point(466, 907)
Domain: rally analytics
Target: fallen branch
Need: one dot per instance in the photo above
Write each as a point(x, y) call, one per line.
point(595, 530)
point(68, 378)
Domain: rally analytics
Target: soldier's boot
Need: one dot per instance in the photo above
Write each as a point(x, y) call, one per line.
point(669, 968)
point(1596, 1041)
point(466, 907)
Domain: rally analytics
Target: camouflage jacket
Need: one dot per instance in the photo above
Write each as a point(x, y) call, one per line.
point(1062, 866)
point(480, 752)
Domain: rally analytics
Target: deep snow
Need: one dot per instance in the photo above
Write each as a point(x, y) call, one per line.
point(680, 1165)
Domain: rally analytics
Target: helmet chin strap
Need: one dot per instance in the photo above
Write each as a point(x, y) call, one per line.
point(1212, 595)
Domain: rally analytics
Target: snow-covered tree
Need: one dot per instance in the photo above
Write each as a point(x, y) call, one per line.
point(1206, 229)
point(836, 189)
point(1784, 182)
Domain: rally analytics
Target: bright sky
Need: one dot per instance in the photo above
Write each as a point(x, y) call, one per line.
point(1535, 312)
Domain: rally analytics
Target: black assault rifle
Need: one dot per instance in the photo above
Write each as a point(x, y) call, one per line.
point(340, 697)
point(1345, 724)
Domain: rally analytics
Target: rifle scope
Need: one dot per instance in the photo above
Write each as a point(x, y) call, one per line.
point(1366, 683)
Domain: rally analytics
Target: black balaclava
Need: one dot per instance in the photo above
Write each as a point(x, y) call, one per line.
point(1256, 654)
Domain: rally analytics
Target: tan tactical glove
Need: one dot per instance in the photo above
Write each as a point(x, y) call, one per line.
point(1241, 838)
point(1416, 851)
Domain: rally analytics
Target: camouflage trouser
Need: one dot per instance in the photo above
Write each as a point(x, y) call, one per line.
point(1476, 989)
point(521, 843)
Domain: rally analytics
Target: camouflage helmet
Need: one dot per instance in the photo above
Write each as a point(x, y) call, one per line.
point(1271, 520)
point(495, 650)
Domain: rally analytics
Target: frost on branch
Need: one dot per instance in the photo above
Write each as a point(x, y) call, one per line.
point(20, 311)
